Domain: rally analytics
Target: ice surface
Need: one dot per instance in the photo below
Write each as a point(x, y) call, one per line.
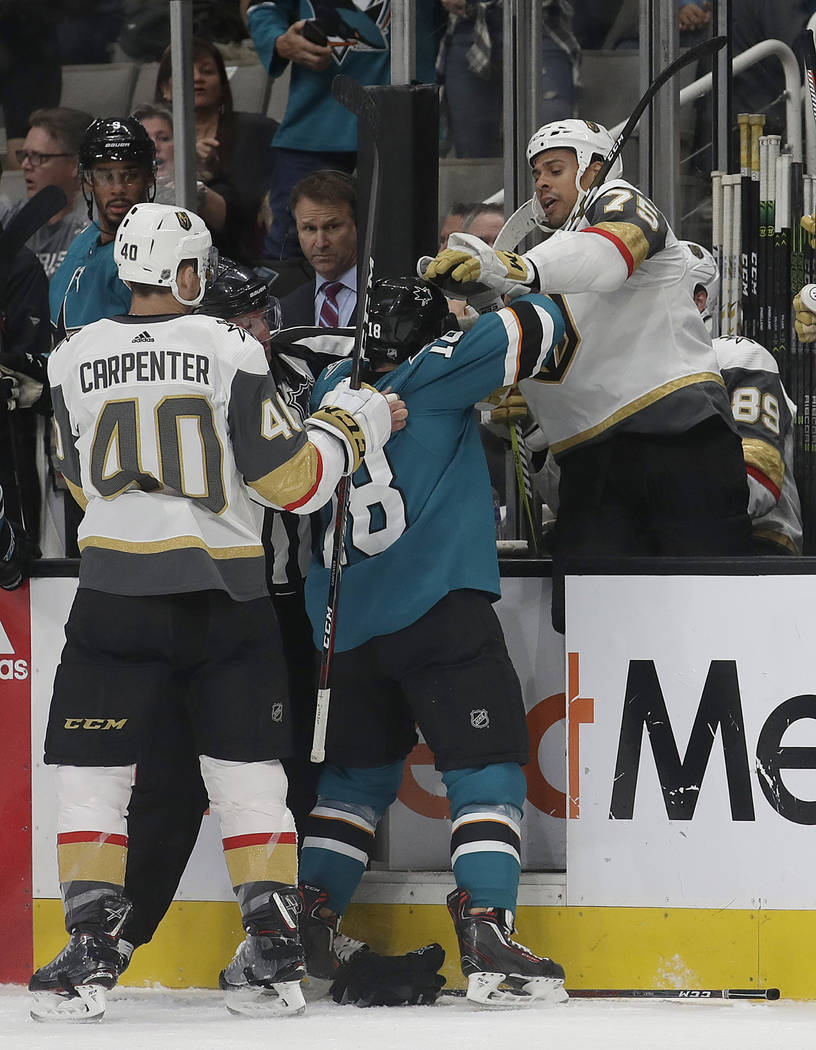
point(159, 1019)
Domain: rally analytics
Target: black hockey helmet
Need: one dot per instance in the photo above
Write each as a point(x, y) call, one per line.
point(404, 314)
point(109, 139)
point(238, 292)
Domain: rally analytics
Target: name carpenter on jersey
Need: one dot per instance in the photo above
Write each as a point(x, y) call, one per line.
point(144, 366)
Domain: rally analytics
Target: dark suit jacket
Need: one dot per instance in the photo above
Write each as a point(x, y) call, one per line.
point(297, 308)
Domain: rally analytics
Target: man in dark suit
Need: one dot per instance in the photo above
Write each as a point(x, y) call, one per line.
point(323, 205)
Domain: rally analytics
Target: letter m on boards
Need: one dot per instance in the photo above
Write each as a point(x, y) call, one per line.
point(681, 780)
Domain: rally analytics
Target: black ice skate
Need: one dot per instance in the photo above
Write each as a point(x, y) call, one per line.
point(264, 976)
point(500, 971)
point(72, 986)
point(324, 946)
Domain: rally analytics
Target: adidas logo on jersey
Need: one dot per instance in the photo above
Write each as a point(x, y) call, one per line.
point(143, 337)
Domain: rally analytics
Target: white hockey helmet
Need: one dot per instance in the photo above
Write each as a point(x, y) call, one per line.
point(702, 269)
point(587, 139)
point(154, 239)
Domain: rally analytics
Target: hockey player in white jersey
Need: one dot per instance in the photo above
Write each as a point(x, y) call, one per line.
point(634, 409)
point(169, 427)
point(763, 414)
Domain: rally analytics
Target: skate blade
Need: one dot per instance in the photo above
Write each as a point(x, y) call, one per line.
point(503, 991)
point(88, 1005)
point(278, 1000)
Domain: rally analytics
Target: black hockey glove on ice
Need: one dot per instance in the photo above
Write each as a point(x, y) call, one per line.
point(368, 979)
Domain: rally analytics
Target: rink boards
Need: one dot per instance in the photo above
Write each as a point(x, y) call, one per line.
point(681, 854)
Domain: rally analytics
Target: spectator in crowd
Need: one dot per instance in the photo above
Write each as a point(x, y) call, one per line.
point(49, 156)
point(316, 131)
point(469, 65)
point(158, 123)
point(234, 151)
point(454, 221)
point(323, 204)
point(117, 166)
point(485, 222)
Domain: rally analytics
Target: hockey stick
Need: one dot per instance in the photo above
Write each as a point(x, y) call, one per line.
point(770, 994)
point(694, 54)
point(674, 993)
point(521, 221)
point(354, 97)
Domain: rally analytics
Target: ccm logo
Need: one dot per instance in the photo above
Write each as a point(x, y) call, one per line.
point(95, 723)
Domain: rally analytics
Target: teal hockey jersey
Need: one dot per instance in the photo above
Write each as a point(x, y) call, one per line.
point(421, 519)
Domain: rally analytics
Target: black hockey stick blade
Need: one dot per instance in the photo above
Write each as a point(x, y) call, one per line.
point(351, 94)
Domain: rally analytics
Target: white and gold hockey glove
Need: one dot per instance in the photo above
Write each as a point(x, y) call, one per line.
point(468, 261)
point(361, 419)
point(805, 306)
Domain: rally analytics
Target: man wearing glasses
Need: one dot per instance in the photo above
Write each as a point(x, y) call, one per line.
point(50, 157)
point(117, 169)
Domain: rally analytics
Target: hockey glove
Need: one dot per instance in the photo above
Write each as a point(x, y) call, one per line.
point(511, 410)
point(468, 260)
point(361, 419)
point(369, 979)
point(805, 306)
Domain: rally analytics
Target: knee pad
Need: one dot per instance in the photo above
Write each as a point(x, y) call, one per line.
point(93, 798)
point(249, 797)
point(493, 787)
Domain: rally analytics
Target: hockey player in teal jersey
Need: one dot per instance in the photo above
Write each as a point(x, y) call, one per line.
point(417, 640)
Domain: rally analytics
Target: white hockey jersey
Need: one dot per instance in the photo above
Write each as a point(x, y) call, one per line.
point(161, 423)
point(636, 355)
point(763, 414)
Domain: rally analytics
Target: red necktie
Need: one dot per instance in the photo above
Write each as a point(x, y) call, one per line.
point(329, 311)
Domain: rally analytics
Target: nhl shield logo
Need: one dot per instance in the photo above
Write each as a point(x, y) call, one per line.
point(276, 712)
point(184, 220)
point(479, 718)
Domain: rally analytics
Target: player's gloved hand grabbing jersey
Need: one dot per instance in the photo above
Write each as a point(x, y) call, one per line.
point(360, 418)
point(468, 259)
point(805, 306)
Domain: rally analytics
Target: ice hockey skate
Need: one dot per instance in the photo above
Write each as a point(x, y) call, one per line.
point(324, 946)
point(263, 978)
point(72, 986)
point(500, 971)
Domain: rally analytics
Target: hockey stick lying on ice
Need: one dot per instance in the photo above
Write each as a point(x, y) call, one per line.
point(658, 993)
point(355, 98)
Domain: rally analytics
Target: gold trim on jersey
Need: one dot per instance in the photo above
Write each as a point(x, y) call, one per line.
point(765, 458)
point(289, 483)
point(631, 235)
point(644, 401)
point(77, 492)
point(172, 544)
